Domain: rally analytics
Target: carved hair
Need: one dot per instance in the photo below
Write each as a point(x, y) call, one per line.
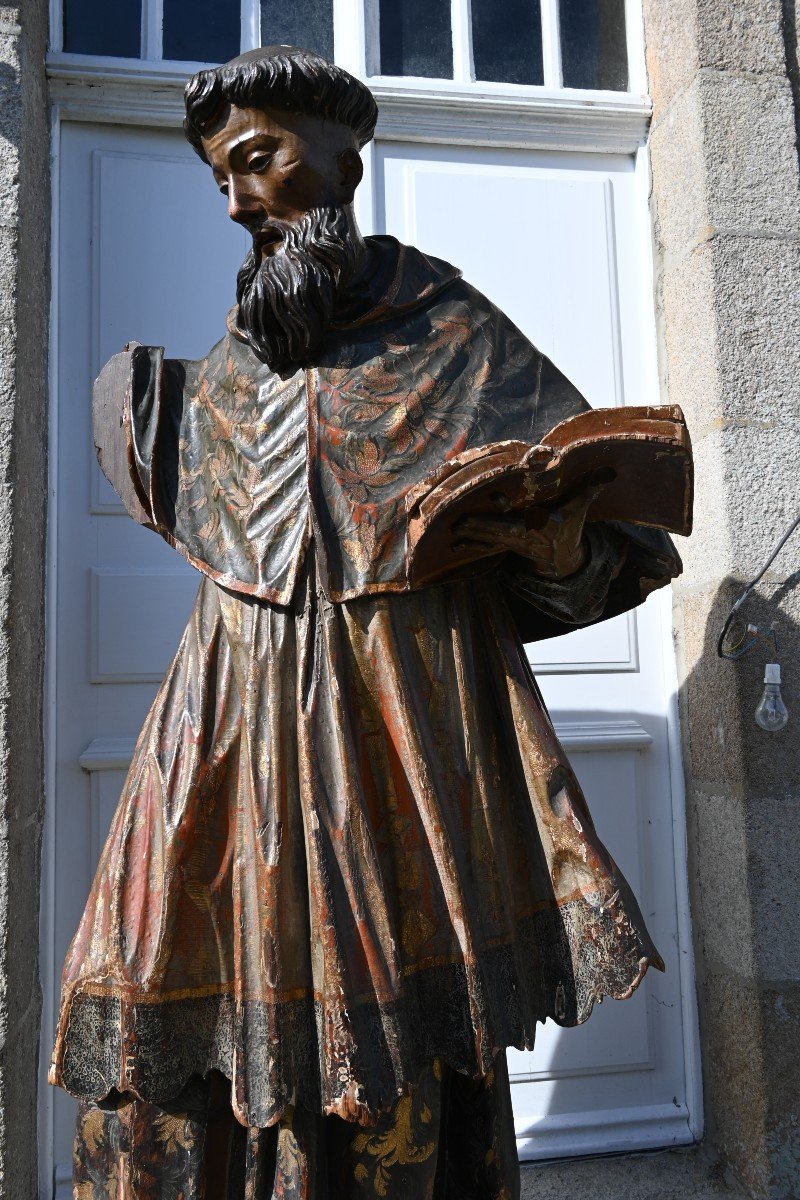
point(286, 77)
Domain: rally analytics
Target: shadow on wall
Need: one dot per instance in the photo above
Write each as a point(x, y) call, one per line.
point(743, 788)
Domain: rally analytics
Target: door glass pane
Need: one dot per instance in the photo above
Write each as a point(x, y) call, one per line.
point(202, 30)
point(507, 41)
point(98, 27)
point(593, 49)
point(307, 23)
point(415, 38)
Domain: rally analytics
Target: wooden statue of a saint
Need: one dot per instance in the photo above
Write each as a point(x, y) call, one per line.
point(351, 863)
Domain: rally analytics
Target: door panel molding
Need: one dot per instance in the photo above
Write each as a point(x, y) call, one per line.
point(580, 652)
point(611, 1131)
point(126, 599)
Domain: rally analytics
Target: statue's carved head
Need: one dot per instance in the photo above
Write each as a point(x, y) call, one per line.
point(281, 129)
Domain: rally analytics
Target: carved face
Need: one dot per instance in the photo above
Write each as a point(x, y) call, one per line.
point(276, 166)
point(290, 180)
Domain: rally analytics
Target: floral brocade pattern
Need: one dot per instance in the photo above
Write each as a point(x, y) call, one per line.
point(238, 466)
point(446, 1138)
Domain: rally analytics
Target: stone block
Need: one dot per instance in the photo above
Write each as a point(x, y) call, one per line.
point(671, 1175)
point(692, 362)
point(774, 884)
point(724, 925)
point(759, 464)
point(671, 48)
point(736, 1087)
point(711, 692)
point(757, 299)
point(751, 156)
point(683, 36)
point(755, 1035)
point(729, 754)
point(691, 343)
point(679, 201)
point(723, 159)
point(731, 310)
point(744, 889)
point(746, 38)
point(707, 553)
point(9, 249)
point(10, 122)
point(780, 1019)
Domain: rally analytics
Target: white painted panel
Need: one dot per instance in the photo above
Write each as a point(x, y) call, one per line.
point(585, 650)
point(160, 239)
point(104, 500)
point(537, 234)
point(538, 240)
point(137, 618)
point(616, 1038)
point(609, 1131)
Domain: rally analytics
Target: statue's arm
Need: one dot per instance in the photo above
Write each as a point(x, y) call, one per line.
point(136, 408)
point(568, 573)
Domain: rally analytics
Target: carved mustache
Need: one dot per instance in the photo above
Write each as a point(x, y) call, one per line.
point(287, 299)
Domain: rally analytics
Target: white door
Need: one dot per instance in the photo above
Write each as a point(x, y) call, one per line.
point(561, 241)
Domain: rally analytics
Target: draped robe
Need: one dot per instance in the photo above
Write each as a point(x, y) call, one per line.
point(349, 842)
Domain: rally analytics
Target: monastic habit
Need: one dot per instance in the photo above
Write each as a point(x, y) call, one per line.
point(351, 862)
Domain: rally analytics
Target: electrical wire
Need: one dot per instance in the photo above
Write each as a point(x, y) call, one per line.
point(744, 648)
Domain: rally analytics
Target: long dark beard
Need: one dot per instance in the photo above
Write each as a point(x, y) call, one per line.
point(287, 301)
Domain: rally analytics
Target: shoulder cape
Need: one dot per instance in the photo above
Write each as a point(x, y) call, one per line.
point(238, 467)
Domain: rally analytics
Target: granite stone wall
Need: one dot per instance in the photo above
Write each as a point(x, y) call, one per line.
point(726, 220)
point(24, 301)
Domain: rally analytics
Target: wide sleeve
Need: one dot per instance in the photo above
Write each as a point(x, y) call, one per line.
point(523, 395)
point(137, 405)
point(624, 564)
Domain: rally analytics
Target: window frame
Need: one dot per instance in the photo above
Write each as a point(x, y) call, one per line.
point(356, 46)
point(458, 111)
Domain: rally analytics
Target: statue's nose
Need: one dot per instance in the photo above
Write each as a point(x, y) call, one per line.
point(243, 208)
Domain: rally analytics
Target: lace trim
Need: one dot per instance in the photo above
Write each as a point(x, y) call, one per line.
point(355, 1060)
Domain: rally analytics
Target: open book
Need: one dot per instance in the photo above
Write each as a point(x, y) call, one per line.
point(642, 456)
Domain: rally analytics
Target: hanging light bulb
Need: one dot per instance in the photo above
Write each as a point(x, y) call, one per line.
point(772, 714)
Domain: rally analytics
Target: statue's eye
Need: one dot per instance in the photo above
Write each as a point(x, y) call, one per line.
point(258, 163)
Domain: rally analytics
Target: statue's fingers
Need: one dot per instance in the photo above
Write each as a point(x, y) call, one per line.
point(538, 545)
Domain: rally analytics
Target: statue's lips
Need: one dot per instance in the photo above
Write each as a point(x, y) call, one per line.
point(266, 239)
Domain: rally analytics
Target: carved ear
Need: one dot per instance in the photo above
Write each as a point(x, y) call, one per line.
point(350, 173)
